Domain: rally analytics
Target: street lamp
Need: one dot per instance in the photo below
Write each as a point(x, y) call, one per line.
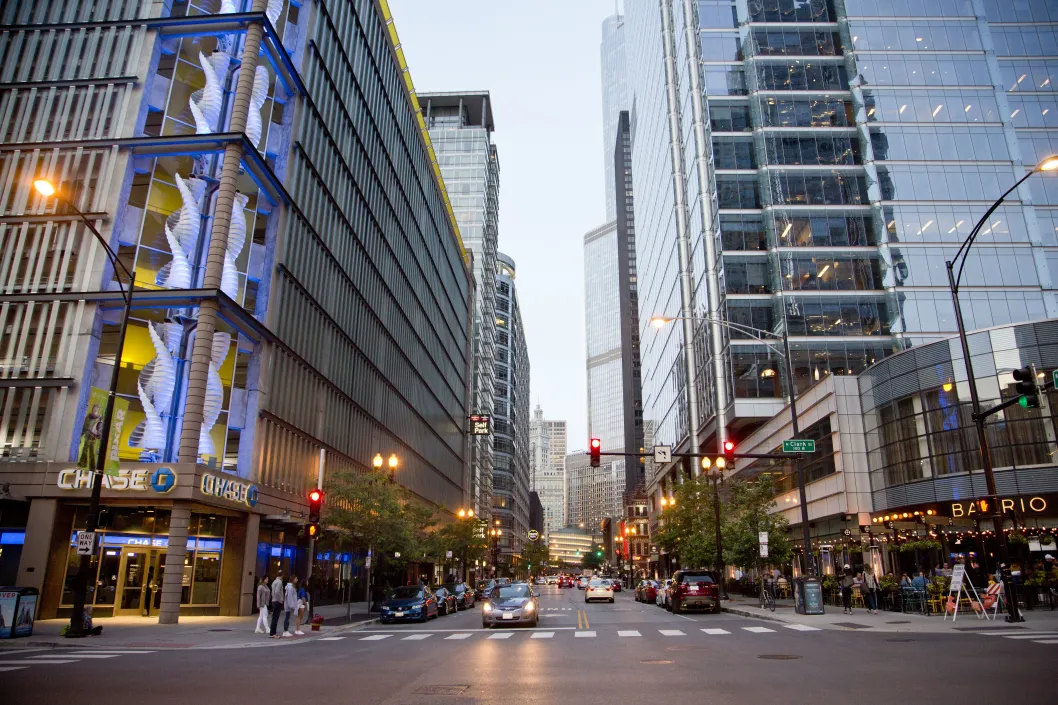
point(377, 462)
point(760, 335)
point(717, 476)
point(47, 189)
point(1048, 164)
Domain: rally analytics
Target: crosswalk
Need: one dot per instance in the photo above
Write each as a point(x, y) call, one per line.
point(18, 659)
point(1040, 637)
point(573, 633)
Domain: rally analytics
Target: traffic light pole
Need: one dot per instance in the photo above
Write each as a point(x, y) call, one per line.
point(806, 536)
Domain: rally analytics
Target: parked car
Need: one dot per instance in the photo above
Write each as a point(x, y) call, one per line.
point(564, 581)
point(414, 602)
point(446, 601)
point(464, 595)
point(616, 584)
point(694, 590)
point(662, 599)
point(647, 591)
point(541, 580)
point(599, 590)
point(510, 604)
point(483, 589)
point(582, 582)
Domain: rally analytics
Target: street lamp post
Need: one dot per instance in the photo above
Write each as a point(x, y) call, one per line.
point(1048, 164)
point(465, 514)
point(48, 190)
point(717, 476)
point(760, 334)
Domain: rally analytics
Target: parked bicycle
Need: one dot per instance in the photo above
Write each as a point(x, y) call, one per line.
point(767, 595)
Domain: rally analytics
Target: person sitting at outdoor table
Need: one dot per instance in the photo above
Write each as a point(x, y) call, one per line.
point(782, 580)
point(920, 582)
point(905, 581)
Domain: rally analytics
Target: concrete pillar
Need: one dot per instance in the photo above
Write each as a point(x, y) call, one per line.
point(202, 351)
point(175, 555)
point(34, 559)
point(248, 590)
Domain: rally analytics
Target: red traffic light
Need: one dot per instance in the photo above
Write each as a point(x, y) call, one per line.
point(316, 496)
point(729, 446)
point(596, 444)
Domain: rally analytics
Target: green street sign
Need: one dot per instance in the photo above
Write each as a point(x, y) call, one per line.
point(1054, 376)
point(799, 446)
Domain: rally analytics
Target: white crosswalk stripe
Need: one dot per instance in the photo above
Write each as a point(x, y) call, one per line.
point(1040, 635)
point(376, 637)
point(1046, 641)
point(802, 628)
point(716, 632)
point(5, 669)
point(542, 635)
point(629, 632)
point(463, 635)
point(506, 635)
point(417, 637)
point(79, 656)
point(51, 661)
point(331, 638)
point(111, 651)
point(584, 634)
point(758, 630)
point(671, 632)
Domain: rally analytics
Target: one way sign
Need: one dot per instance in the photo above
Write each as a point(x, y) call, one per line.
point(662, 454)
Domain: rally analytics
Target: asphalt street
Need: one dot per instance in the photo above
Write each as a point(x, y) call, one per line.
point(599, 653)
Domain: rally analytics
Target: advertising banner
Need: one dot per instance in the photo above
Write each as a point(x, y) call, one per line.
point(92, 432)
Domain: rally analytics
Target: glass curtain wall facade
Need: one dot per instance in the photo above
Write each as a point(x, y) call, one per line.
point(614, 98)
point(461, 129)
point(836, 154)
point(300, 283)
point(510, 498)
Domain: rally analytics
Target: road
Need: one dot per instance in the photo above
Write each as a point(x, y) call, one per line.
point(598, 653)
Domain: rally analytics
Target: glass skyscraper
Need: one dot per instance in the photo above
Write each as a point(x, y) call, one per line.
point(808, 166)
point(615, 98)
point(461, 129)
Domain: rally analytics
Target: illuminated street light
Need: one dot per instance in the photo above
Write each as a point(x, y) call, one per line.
point(377, 461)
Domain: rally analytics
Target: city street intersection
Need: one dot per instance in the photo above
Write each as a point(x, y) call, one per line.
point(597, 653)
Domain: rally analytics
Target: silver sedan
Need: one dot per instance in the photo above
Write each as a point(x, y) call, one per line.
point(510, 604)
point(599, 590)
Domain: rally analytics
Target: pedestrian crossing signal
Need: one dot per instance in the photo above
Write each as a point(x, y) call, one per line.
point(313, 531)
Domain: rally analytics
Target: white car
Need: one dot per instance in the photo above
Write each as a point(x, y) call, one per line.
point(541, 581)
point(552, 580)
point(598, 590)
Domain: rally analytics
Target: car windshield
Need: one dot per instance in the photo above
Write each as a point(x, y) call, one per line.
point(598, 583)
point(697, 579)
point(454, 588)
point(406, 593)
point(440, 591)
point(506, 592)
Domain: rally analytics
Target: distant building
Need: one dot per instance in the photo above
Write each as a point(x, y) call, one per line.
point(546, 477)
point(569, 545)
point(593, 494)
point(615, 97)
point(536, 513)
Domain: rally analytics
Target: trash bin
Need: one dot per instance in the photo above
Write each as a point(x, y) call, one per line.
point(808, 596)
point(18, 608)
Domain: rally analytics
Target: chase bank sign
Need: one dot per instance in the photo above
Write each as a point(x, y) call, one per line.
point(229, 489)
point(160, 480)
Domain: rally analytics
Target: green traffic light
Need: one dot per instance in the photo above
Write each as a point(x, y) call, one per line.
point(1024, 403)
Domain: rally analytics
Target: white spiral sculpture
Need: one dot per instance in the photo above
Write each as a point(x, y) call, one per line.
point(214, 394)
point(182, 232)
point(254, 126)
point(156, 384)
point(229, 280)
point(275, 9)
point(207, 102)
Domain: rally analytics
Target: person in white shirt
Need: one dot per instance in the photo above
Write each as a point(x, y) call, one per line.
point(264, 597)
point(290, 603)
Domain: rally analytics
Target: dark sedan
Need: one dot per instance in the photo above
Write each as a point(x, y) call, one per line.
point(464, 595)
point(414, 603)
point(446, 601)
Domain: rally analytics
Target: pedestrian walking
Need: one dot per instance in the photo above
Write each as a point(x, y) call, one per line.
point(847, 580)
point(302, 610)
point(276, 604)
point(290, 603)
point(264, 598)
point(870, 586)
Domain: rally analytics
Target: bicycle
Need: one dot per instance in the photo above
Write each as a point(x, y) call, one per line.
point(767, 595)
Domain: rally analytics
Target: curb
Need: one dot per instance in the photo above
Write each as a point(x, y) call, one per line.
point(741, 612)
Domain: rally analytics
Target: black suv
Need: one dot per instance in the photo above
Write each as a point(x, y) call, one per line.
point(694, 590)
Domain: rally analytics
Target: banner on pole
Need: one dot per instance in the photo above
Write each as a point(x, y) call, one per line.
point(92, 432)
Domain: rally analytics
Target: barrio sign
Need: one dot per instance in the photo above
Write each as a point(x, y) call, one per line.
point(229, 489)
point(1035, 505)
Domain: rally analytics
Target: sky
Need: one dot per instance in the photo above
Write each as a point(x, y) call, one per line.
point(540, 63)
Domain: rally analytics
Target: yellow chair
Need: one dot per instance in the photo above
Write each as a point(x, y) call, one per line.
point(857, 596)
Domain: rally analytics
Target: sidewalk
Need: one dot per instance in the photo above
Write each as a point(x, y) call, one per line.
point(861, 620)
point(190, 633)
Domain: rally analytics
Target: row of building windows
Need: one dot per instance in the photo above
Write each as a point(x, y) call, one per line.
point(909, 36)
point(931, 106)
point(940, 143)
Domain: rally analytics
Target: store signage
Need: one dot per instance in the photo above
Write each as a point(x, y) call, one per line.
point(533, 534)
point(1035, 505)
point(160, 480)
point(479, 424)
point(148, 541)
point(230, 489)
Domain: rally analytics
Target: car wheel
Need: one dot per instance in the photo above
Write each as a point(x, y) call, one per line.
point(611, 600)
point(485, 625)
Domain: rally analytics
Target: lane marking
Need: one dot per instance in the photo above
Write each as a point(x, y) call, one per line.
point(716, 632)
point(376, 637)
point(77, 656)
point(330, 638)
point(671, 632)
point(758, 630)
point(1046, 641)
point(1002, 632)
point(630, 632)
point(584, 634)
point(417, 637)
point(118, 652)
point(506, 635)
point(464, 635)
point(11, 668)
point(802, 628)
point(542, 635)
point(1043, 635)
point(23, 662)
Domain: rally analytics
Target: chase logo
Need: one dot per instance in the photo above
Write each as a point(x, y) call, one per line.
point(163, 480)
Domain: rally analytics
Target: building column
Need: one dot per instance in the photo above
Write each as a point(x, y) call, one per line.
point(33, 562)
point(175, 555)
point(248, 590)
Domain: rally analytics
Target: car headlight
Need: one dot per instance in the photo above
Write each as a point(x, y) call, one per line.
point(486, 607)
point(418, 605)
point(528, 607)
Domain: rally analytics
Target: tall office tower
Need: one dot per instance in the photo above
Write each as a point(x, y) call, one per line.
point(301, 293)
point(615, 98)
point(592, 494)
point(510, 499)
point(461, 129)
point(807, 167)
point(546, 478)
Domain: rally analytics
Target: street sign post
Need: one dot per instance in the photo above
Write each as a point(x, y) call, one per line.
point(86, 543)
point(762, 537)
point(799, 446)
point(662, 454)
point(764, 550)
point(533, 534)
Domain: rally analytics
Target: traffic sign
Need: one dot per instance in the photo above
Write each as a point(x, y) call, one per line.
point(764, 550)
point(799, 446)
point(762, 536)
point(1054, 378)
point(533, 534)
point(86, 543)
point(662, 454)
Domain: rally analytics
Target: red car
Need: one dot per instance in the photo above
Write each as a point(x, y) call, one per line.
point(694, 590)
point(616, 585)
point(647, 591)
point(565, 582)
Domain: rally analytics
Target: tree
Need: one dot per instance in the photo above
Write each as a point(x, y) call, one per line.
point(749, 511)
point(464, 538)
point(591, 560)
point(689, 528)
point(536, 555)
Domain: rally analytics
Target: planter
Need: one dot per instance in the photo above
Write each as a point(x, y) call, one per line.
point(315, 627)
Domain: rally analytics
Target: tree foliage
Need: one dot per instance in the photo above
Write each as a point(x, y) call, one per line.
point(689, 528)
point(592, 559)
point(536, 554)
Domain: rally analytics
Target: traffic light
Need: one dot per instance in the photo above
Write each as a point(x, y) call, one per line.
point(729, 453)
point(595, 448)
point(315, 505)
point(1027, 387)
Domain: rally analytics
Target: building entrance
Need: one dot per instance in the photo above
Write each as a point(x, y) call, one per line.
point(139, 581)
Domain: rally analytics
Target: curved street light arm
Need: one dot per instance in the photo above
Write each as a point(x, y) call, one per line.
point(126, 294)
